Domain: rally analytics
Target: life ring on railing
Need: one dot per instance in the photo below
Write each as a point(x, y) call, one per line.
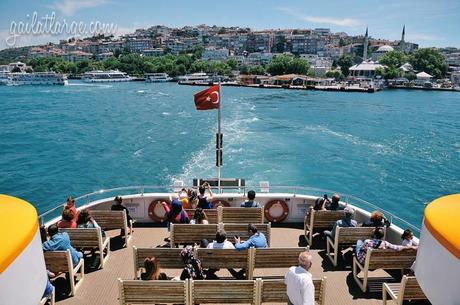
point(276, 210)
point(156, 211)
point(219, 202)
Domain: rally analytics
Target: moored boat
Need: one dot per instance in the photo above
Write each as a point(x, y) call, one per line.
point(106, 76)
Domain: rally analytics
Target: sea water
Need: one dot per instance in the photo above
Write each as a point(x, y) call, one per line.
point(397, 149)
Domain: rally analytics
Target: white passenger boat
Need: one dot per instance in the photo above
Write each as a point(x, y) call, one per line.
point(106, 76)
point(157, 77)
point(36, 78)
point(195, 78)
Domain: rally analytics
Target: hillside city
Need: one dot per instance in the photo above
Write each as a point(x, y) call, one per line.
point(235, 50)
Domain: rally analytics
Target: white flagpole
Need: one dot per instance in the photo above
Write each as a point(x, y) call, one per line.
point(218, 138)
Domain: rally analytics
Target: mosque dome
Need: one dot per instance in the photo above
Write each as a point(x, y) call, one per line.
point(385, 48)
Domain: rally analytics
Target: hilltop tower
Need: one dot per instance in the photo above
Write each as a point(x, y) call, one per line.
point(366, 43)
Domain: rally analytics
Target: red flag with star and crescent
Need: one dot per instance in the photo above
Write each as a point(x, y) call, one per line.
point(208, 98)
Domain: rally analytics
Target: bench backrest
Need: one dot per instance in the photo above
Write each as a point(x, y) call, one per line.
point(277, 257)
point(350, 235)
point(109, 220)
point(84, 238)
point(241, 230)
point(153, 292)
point(210, 213)
point(412, 290)
point(223, 292)
point(223, 258)
point(188, 234)
point(58, 261)
point(390, 259)
point(274, 291)
point(169, 258)
point(324, 219)
point(242, 215)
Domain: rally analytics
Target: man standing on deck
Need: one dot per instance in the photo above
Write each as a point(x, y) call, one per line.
point(299, 283)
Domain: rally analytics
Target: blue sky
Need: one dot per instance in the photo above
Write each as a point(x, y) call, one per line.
point(429, 23)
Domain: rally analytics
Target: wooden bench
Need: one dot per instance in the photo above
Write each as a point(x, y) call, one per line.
point(210, 213)
point(345, 237)
point(61, 262)
point(382, 259)
point(169, 258)
point(241, 215)
point(274, 291)
point(224, 258)
point(223, 292)
point(267, 258)
point(153, 292)
point(189, 234)
point(241, 230)
point(323, 220)
point(408, 289)
point(109, 220)
point(51, 298)
point(90, 238)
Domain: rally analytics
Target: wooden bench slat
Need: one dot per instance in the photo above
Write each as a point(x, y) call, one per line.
point(242, 215)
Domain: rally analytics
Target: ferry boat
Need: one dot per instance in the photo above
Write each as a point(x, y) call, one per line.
point(36, 78)
point(22, 263)
point(195, 78)
point(157, 77)
point(106, 76)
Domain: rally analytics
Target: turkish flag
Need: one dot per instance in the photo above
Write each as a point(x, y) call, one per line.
point(208, 99)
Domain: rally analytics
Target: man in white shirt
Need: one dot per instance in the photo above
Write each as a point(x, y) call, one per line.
point(298, 279)
point(221, 241)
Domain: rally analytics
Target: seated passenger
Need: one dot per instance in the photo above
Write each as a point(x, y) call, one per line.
point(377, 220)
point(68, 219)
point(299, 283)
point(60, 241)
point(152, 270)
point(407, 238)
point(85, 220)
point(334, 205)
point(345, 222)
point(183, 197)
point(71, 205)
point(203, 201)
point(199, 217)
point(118, 206)
point(221, 241)
point(376, 243)
point(250, 203)
point(256, 239)
point(193, 268)
point(175, 214)
point(320, 203)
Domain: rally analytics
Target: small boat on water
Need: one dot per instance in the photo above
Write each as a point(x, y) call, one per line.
point(106, 76)
point(157, 77)
point(36, 78)
point(195, 79)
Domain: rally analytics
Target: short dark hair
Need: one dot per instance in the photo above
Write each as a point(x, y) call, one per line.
point(378, 233)
point(67, 214)
point(251, 195)
point(406, 233)
point(221, 236)
point(252, 228)
point(201, 189)
point(53, 229)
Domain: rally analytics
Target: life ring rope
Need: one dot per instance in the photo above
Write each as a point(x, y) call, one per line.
point(279, 218)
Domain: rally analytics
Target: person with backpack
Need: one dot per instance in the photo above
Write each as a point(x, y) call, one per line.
point(192, 269)
point(376, 243)
point(250, 203)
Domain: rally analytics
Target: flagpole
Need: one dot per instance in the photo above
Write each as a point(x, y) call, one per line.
point(218, 136)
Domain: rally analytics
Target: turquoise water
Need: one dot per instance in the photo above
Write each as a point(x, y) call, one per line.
point(396, 149)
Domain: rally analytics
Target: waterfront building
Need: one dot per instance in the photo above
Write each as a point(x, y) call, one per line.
point(423, 78)
point(18, 67)
point(215, 54)
point(75, 56)
point(455, 78)
point(406, 68)
point(137, 45)
point(366, 69)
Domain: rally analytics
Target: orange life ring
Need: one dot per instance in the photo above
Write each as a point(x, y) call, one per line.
point(154, 214)
point(219, 202)
point(279, 217)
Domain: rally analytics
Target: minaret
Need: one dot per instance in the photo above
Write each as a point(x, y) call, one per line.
point(402, 43)
point(403, 34)
point(366, 43)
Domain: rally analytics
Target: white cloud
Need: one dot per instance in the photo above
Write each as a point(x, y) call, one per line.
point(70, 7)
point(347, 22)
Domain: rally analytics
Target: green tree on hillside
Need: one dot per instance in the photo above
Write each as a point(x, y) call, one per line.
point(393, 59)
point(345, 62)
point(430, 61)
point(285, 65)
